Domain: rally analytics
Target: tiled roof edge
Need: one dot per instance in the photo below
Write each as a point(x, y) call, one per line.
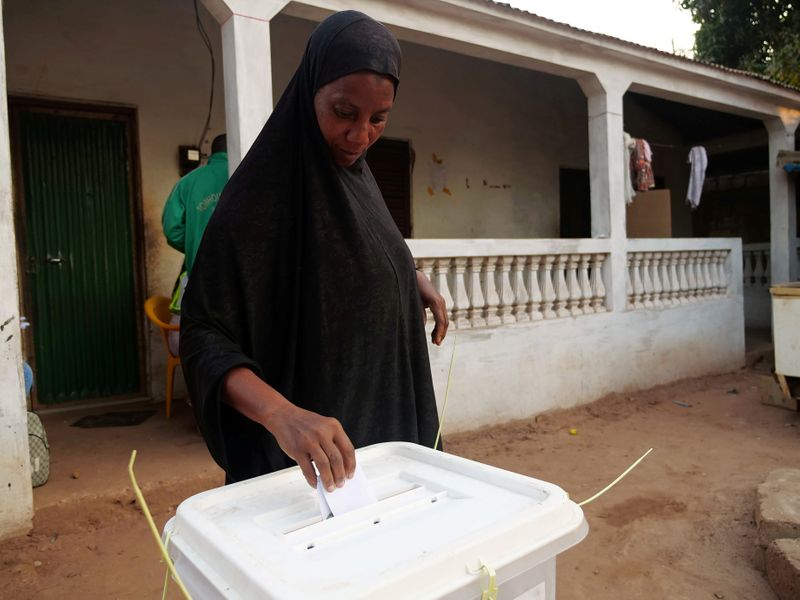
point(537, 18)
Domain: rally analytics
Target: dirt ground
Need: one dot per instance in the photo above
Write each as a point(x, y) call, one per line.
point(679, 526)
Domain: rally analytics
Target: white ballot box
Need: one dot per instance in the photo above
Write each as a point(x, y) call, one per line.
point(437, 520)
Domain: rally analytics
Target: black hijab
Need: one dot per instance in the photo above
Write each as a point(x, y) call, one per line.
point(303, 277)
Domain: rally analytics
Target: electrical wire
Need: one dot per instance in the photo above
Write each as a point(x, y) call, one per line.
point(207, 43)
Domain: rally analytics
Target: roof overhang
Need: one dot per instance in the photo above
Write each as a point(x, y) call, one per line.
point(492, 31)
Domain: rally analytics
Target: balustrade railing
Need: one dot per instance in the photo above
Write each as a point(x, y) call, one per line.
point(486, 283)
point(756, 265)
point(665, 278)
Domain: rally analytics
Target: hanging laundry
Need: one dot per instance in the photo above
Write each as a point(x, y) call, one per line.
point(641, 165)
point(627, 147)
point(699, 161)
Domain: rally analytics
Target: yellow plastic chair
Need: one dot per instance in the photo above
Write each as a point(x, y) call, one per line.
point(157, 310)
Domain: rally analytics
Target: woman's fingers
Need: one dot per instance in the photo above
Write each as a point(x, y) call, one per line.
point(348, 453)
point(442, 322)
point(335, 463)
point(306, 436)
point(323, 465)
point(308, 470)
point(433, 300)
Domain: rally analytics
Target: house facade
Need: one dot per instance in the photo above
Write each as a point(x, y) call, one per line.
point(502, 164)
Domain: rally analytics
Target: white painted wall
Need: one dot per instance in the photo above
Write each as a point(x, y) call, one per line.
point(487, 121)
point(492, 121)
point(144, 53)
point(16, 498)
point(518, 371)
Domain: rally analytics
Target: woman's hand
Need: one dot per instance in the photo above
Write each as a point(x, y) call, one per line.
point(433, 300)
point(303, 435)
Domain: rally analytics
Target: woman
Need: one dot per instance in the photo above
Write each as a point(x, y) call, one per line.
point(302, 328)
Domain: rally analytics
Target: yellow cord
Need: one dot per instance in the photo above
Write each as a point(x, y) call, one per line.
point(491, 591)
point(140, 499)
point(616, 481)
point(166, 574)
point(446, 392)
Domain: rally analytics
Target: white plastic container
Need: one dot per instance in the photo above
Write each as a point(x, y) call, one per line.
point(785, 325)
point(437, 519)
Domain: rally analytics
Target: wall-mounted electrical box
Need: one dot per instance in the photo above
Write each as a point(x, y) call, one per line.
point(188, 159)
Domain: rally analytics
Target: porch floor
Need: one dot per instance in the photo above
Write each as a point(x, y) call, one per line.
point(679, 526)
point(88, 463)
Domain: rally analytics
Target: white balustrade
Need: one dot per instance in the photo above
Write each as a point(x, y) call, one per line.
point(691, 280)
point(596, 282)
point(637, 293)
point(475, 292)
point(492, 290)
point(459, 311)
point(575, 292)
point(755, 265)
point(504, 291)
point(560, 284)
point(584, 283)
point(534, 308)
point(546, 285)
point(720, 259)
point(489, 283)
point(491, 309)
point(655, 278)
point(674, 280)
point(647, 283)
point(519, 290)
point(662, 279)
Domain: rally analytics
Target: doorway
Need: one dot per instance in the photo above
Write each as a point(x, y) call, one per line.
point(390, 163)
point(575, 203)
point(78, 223)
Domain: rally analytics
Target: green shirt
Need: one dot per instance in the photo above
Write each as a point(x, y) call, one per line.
point(191, 204)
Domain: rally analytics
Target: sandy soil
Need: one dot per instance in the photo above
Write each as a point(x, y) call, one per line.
point(680, 526)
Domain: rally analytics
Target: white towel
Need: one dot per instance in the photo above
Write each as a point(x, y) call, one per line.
point(627, 148)
point(699, 161)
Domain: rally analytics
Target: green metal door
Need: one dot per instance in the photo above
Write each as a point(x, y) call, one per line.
point(80, 276)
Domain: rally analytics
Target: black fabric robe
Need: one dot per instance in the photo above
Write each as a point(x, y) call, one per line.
point(304, 278)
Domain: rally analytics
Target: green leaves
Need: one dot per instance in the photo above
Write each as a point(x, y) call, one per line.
point(761, 36)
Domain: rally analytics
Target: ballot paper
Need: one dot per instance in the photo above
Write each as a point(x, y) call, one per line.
point(357, 492)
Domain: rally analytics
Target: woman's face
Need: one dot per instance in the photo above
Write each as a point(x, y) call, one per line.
point(352, 112)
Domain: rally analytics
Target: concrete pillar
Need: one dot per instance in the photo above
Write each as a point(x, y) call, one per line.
point(16, 496)
point(247, 69)
point(604, 94)
point(782, 203)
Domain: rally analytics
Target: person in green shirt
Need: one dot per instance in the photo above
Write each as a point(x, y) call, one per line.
point(187, 212)
point(192, 202)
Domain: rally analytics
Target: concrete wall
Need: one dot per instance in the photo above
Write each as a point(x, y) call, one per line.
point(487, 121)
point(16, 500)
point(506, 125)
point(521, 370)
point(142, 53)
